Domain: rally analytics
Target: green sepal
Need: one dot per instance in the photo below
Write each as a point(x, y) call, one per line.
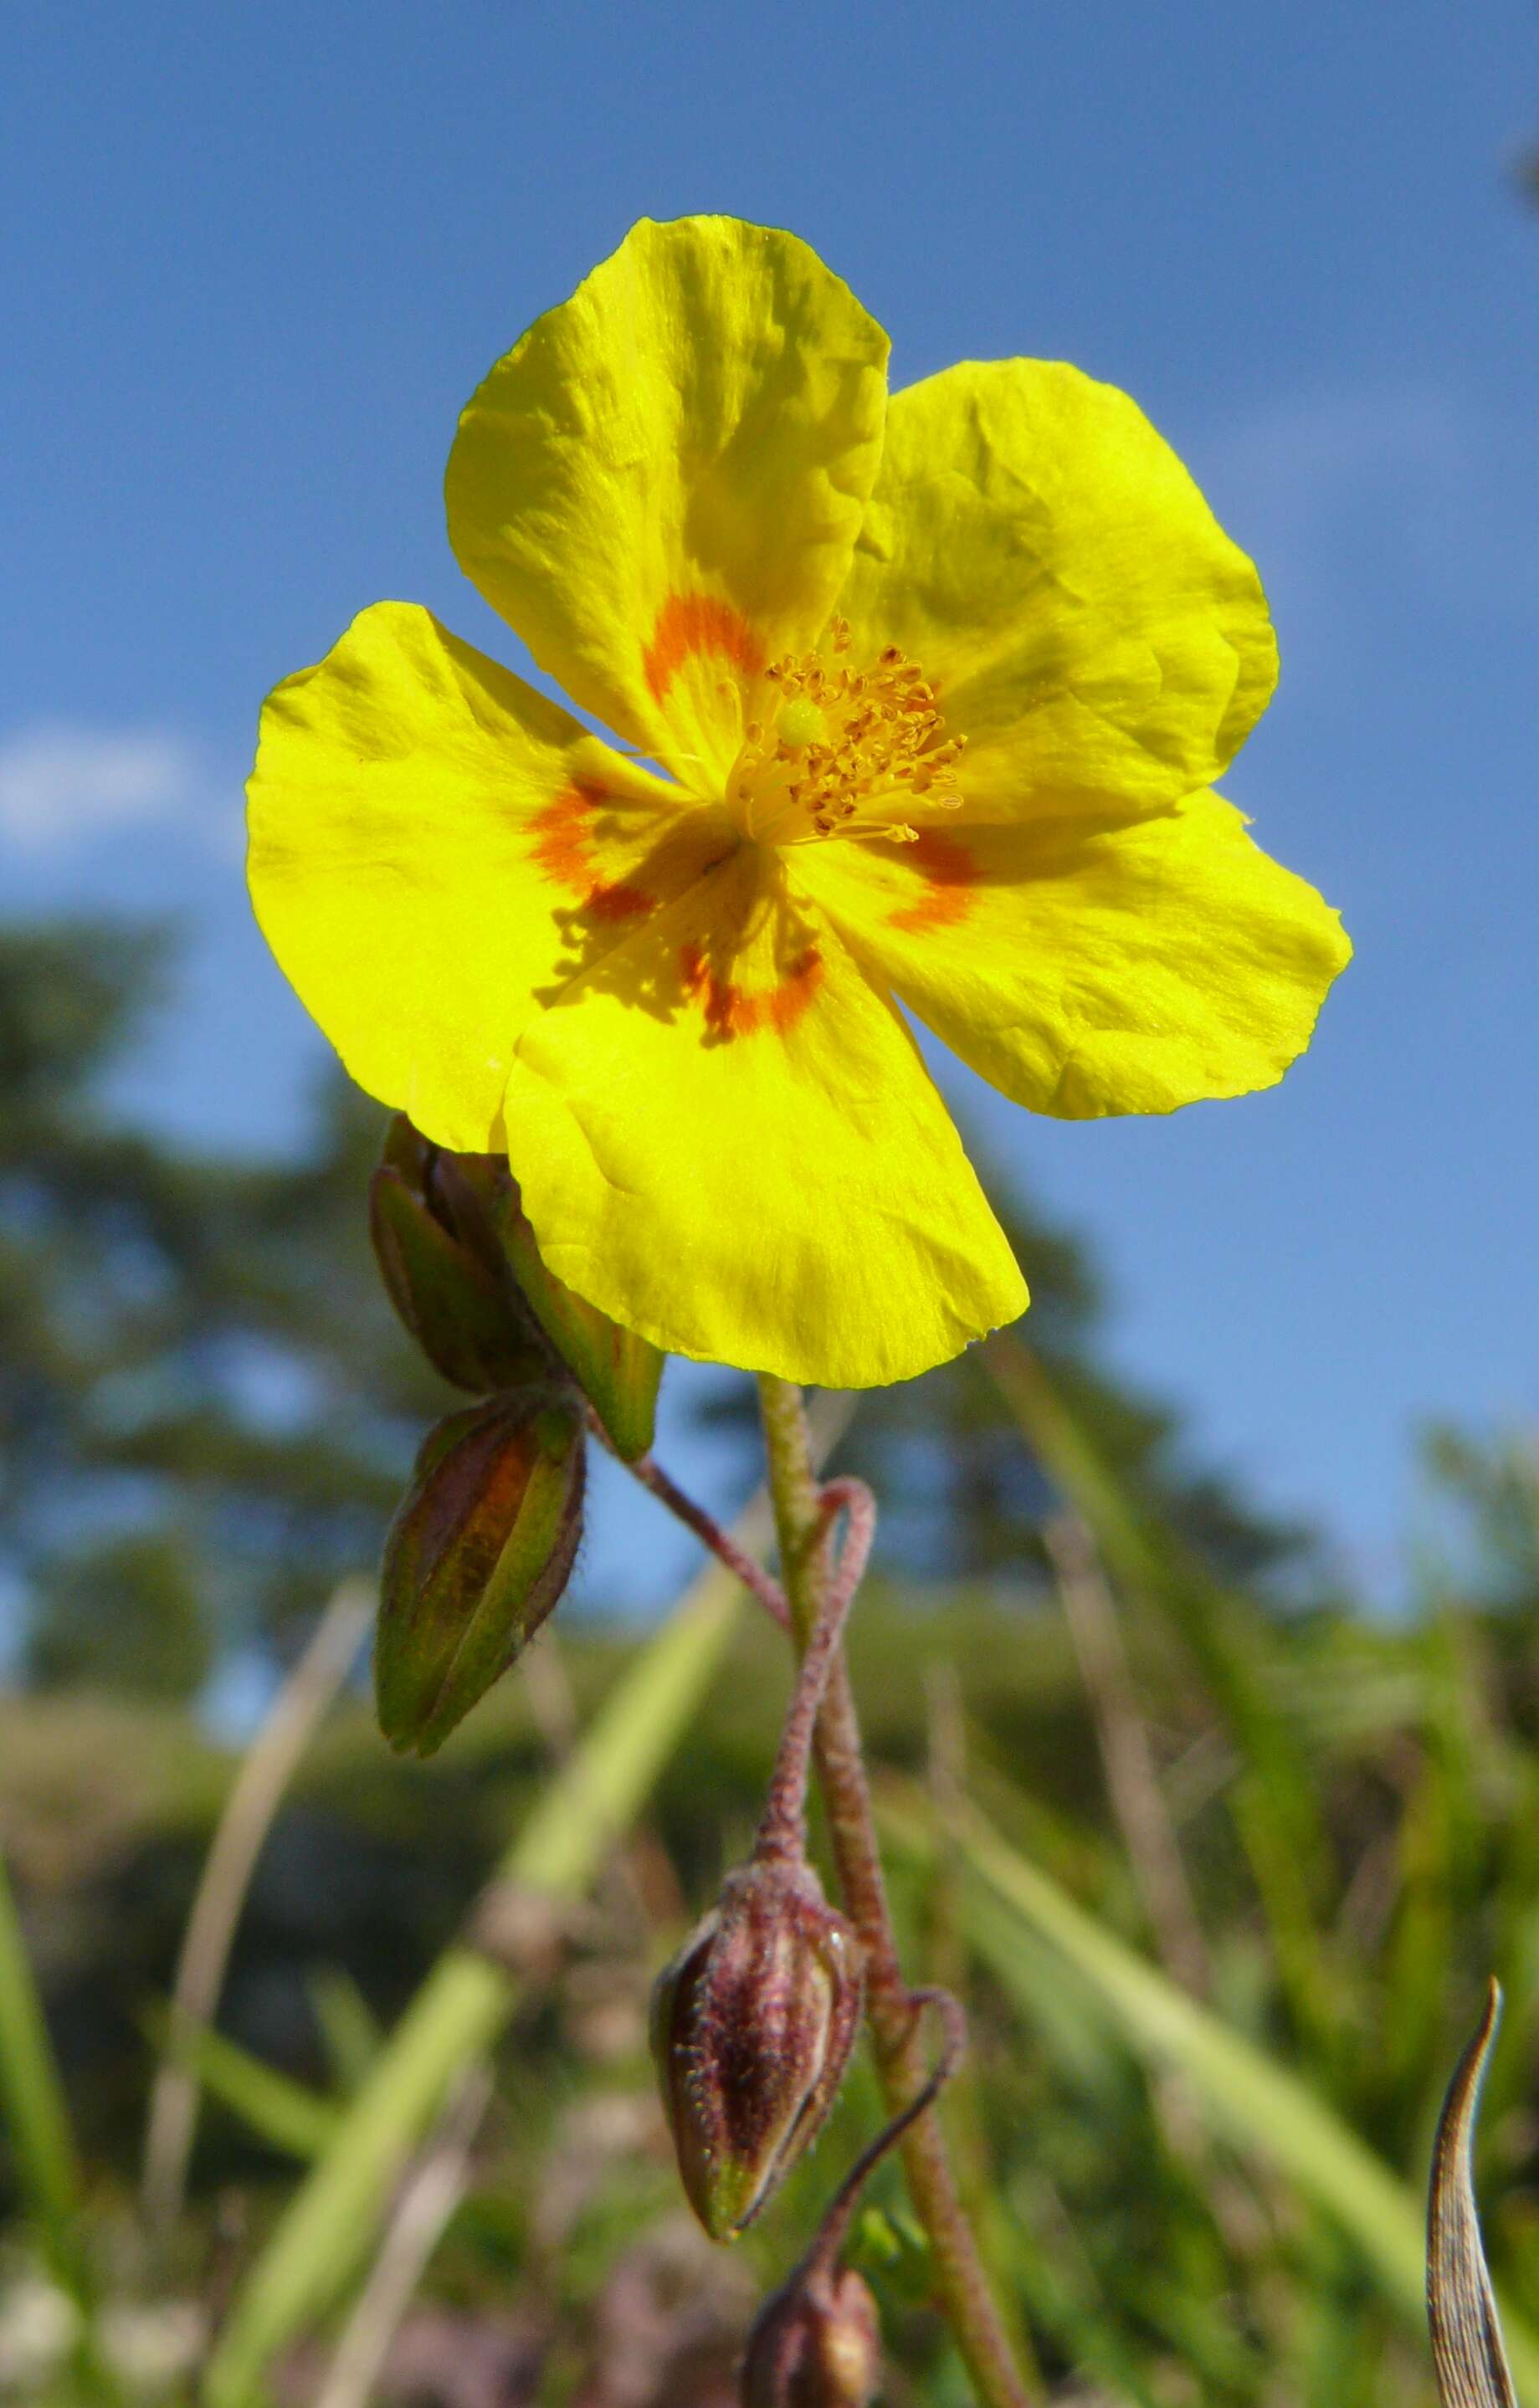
point(617, 1371)
point(476, 1558)
point(444, 1271)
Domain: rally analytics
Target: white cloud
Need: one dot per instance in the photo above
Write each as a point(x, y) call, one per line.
point(59, 783)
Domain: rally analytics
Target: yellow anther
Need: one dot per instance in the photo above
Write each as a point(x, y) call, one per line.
point(841, 750)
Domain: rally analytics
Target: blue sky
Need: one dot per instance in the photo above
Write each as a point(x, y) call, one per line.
point(256, 258)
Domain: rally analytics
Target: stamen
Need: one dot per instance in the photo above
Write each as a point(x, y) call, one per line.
point(841, 750)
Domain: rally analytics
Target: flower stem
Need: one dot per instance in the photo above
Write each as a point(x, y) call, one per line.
point(810, 2294)
point(782, 1826)
point(839, 2212)
point(759, 1584)
point(807, 1573)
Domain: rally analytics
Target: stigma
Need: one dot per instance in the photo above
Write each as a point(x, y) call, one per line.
point(832, 749)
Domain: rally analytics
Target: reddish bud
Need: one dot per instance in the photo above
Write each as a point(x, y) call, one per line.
point(815, 2344)
point(752, 2028)
point(477, 1554)
point(444, 1269)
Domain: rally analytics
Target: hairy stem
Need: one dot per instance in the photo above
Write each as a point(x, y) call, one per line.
point(820, 2259)
point(759, 1584)
point(782, 1826)
point(807, 1574)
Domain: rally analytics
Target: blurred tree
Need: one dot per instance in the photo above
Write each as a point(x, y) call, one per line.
point(1492, 1485)
point(128, 1614)
point(206, 1405)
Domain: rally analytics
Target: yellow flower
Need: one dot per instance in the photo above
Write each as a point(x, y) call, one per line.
point(937, 685)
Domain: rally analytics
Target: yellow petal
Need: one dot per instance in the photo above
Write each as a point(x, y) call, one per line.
point(1044, 555)
point(726, 1139)
point(660, 485)
point(434, 848)
point(1086, 970)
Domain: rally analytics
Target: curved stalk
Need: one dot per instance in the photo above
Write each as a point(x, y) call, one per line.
point(782, 1826)
point(266, 1771)
point(803, 1523)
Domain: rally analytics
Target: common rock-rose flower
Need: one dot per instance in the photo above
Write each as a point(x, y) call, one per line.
point(936, 684)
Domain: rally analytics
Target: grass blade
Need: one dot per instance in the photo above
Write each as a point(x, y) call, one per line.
point(1256, 2102)
point(429, 2196)
point(267, 1770)
point(285, 2113)
point(349, 2033)
point(34, 2099)
point(1467, 2352)
point(1275, 1807)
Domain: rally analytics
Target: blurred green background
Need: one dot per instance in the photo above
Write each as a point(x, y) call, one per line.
point(1219, 1861)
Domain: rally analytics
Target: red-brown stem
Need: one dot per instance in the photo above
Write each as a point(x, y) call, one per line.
point(758, 1583)
point(782, 1826)
point(779, 2338)
point(818, 2264)
point(961, 2281)
point(803, 1518)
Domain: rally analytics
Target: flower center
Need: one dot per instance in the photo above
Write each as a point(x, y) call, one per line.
point(835, 751)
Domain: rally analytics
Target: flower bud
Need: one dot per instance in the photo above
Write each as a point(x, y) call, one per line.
point(477, 1554)
point(814, 2344)
point(617, 1370)
point(752, 2028)
point(444, 1269)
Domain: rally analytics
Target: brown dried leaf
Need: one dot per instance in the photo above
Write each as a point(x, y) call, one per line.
point(1468, 2355)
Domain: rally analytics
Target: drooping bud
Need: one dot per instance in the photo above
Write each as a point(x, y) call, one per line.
point(462, 1267)
point(480, 1551)
point(617, 1371)
point(815, 2344)
point(752, 2028)
point(444, 1269)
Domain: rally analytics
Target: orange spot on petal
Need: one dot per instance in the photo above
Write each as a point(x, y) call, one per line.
point(561, 840)
point(949, 871)
point(563, 846)
point(697, 623)
point(733, 1010)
